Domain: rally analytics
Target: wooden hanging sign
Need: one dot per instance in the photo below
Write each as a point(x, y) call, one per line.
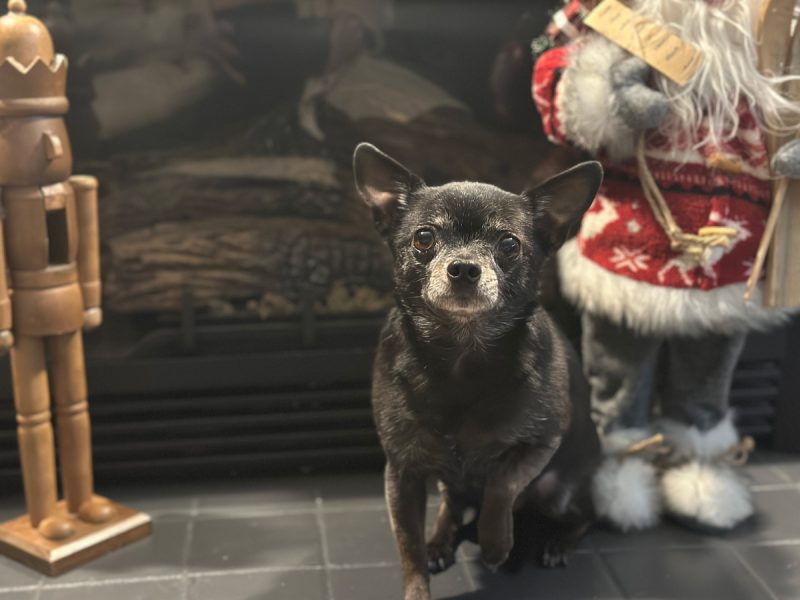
point(653, 43)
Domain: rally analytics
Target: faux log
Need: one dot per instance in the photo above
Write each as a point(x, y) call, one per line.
point(259, 186)
point(149, 201)
point(238, 258)
point(265, 231)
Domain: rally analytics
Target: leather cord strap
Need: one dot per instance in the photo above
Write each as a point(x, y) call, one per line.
point(693, 246)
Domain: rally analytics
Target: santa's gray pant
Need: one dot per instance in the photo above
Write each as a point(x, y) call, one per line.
point(634, 377)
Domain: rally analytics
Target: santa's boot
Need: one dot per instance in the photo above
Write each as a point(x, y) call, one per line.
point(702, 489)
point(625, 489)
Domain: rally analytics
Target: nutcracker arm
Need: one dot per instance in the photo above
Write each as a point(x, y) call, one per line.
point(6, 338)
point(85, 188)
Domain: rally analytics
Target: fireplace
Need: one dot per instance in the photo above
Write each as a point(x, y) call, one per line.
point(244, 287)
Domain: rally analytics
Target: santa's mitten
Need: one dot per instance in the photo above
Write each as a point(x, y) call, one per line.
point(700, 487)
point(629, 71)
point(639, 106)
point(786, 162)
point(625, 489)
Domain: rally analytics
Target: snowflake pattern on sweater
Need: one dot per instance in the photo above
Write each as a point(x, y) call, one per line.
point(714, 185)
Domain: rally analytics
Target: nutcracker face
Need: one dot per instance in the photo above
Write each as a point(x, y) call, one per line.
point(34, 145)
point(35, 151)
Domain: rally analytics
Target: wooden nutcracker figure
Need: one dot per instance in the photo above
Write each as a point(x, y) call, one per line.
point(49, 293)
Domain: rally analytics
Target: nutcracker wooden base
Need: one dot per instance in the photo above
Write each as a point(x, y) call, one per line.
point(20, 541)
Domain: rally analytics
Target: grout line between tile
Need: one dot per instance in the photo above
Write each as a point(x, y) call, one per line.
point(463, 561)
point(653, 547)
point(366, 507)
point(766, 543)
point(20, 588)
point(280, 511)
point(105, 582)
point(326, 558)
point(254, 511)
point(187, 547)
point(781, 473)
point(609, 573)
point(773, 487)
point(266, 511)
point(670, 546)
point(257, 570)
point(749, 568)
point(375, 565)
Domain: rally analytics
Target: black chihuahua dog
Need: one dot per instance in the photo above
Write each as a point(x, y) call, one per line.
point(473, 384)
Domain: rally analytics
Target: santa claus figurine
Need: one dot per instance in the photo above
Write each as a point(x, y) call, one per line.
point(659, 266)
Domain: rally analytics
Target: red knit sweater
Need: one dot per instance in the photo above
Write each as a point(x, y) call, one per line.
point(715, 185)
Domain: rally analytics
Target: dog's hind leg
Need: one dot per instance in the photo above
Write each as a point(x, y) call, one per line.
point(544, 540)
point(556, 524)
point(561, 540)
point(445, 536)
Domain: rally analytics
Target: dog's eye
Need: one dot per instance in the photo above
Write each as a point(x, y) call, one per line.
point(424, 240)
point(509, 246)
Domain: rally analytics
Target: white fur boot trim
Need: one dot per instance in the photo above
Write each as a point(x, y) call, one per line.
point(690, 442)
point(625, 492)
point(712, 495)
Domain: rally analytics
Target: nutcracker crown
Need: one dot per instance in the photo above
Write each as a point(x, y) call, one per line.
point(23, 37)
point(29, 66)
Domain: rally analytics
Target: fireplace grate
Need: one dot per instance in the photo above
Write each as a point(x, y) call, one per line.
point(271, 397)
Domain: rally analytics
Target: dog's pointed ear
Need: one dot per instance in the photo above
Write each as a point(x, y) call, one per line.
point(559, 202)
point(383, 183)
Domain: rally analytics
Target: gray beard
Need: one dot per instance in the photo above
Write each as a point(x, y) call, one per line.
point(728, 74)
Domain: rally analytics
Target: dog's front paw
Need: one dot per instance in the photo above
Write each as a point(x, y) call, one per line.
point(417, 588)
point(495, 553)
point(554, 554)
point(441, 556)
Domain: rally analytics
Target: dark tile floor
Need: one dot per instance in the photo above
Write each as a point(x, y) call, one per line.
point(326, 537)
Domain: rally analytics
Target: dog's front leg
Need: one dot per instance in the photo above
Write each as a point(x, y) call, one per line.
point(445, 536)
point(405, 498)
point(507, 479)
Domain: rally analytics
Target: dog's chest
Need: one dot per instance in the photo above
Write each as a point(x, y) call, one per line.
point(464, 433)
point(447, 457)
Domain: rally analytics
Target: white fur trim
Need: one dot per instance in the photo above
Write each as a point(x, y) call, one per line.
point(585, 100)
point(712, 495)
point(661, 310)
point(625, 492)
point(689, 441)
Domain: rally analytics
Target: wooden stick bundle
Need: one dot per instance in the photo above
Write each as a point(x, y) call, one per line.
point(779, 52)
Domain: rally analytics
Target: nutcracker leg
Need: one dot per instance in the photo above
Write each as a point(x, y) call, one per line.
point(74, 430)
point(35, 435)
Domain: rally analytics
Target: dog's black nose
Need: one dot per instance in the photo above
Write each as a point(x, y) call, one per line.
point(463, 271)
